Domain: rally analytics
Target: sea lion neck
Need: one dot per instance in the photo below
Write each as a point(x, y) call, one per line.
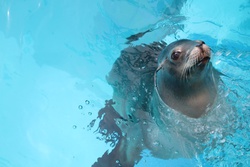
point(181, 88)
point(190, 98)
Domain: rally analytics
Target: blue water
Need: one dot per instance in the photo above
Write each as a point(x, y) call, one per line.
point(54, 56)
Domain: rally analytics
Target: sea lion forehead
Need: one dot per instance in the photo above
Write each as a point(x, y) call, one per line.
point(183, 44)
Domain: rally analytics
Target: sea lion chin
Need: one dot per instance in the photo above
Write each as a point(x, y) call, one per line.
point(185, 79)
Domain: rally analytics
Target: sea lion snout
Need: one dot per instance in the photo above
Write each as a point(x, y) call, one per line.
point(201, 52)
point(181, 59)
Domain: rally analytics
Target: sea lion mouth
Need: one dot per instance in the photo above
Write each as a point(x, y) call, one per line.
point(203, 61)
point(198, 66)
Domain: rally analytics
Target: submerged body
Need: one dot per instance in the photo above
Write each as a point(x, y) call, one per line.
point(166, 93)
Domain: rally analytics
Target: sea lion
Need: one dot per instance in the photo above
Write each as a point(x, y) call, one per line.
point(180, 73)
point(163, 93)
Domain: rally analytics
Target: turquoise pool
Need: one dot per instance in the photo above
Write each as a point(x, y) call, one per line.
point(55, 56)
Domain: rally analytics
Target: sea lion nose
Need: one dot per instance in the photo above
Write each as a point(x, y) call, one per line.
point(199, 43)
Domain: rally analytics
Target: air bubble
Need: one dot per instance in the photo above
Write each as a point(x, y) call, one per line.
point(87, 102)
point(135, 98)
point(132, 109)
point(80, 107)
point(118, 122)
point(149, 130)
point(104, 131)
point(156, 143)
point(90, 113)
point(74, 126)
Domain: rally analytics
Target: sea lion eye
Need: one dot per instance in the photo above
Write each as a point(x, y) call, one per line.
point(175, 55)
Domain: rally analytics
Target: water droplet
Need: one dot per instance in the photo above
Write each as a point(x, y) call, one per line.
point(87, 102)
point(80, 107)
point(74, 126)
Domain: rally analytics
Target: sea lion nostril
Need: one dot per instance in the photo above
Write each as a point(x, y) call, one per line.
point(199, 43)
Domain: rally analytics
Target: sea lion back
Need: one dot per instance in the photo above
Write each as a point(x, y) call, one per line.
point(132, 78)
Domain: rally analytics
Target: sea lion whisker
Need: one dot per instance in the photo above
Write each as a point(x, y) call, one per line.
point(197, 59)
point(211, 50)
point(183, 73)
point(186, 73)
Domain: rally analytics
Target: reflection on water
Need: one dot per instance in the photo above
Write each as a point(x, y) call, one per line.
point(4, 162)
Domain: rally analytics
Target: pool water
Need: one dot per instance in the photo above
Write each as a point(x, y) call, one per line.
point(55, 56)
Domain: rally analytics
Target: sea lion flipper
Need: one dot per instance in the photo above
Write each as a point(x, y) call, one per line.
point(135, 37)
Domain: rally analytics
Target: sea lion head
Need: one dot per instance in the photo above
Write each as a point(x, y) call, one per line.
point(185, 79)
point(185, 59)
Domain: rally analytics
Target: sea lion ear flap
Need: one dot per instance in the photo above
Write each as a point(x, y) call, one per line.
point(158, 68)
point(164, 54)
point(160, 58)
point(161, 64)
